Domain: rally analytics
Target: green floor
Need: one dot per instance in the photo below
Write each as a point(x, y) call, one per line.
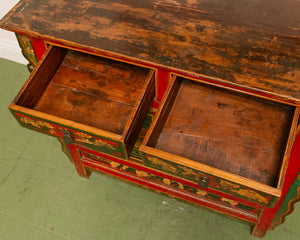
point(42, 197)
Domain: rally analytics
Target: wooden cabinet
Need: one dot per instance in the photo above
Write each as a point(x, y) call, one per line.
point(198, 100)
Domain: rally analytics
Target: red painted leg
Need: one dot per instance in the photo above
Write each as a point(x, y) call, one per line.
point(81, 170)
point(260, 229)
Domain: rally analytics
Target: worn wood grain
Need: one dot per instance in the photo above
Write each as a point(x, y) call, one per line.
point(101, 77)
point(233, 132)
point(139, 112)
point(87, 89)
point(249, 43)
point(100, 92)
point(47, 67)
point(83, 108)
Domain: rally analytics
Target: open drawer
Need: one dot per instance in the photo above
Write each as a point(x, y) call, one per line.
point(89, 100)
point(222, 139)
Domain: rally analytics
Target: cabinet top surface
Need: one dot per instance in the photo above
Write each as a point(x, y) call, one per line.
point(249, 43)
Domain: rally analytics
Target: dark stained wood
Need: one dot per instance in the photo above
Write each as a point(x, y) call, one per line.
point(145, 101)
point(250, 43)
point(97, 92)
point(101, 77)
point(233, 132)
point(83, 108)
point(171, 92)
point(47, 69)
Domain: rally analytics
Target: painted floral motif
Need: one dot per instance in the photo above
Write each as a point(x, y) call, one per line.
point(201, 193)
point(142, 174)
point(172, 168)
point(162, 164)
point(190, 172)
point(251, 195)
point(80, 137)
point(85, 138)
point(231, 202)
point(230, 185)
point(27, 49)
point(43, 126)
point(247, 193)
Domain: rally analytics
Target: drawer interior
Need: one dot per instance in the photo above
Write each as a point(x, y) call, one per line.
point(84, 88)
point(231, 131)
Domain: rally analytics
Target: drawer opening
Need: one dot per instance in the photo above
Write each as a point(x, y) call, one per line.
point(231, 131)
point(86, 89)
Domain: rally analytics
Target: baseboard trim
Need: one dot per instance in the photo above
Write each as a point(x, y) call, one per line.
point(10, 50)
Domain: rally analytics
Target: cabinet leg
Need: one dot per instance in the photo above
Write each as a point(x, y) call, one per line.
point(30, 67)
point(259, 231)
point(74, 156)
point(81, 170)
point(261, 228)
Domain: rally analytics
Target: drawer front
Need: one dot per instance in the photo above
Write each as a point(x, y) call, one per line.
point(208, 181)
point(167, 180)
point(80, 137)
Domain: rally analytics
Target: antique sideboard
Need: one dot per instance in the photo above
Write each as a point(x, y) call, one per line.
point(199, 100)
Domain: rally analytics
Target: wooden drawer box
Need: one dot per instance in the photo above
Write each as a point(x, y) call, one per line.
point(97, 102)
point(222, 139)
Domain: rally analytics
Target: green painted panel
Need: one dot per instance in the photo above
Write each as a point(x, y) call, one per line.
point(287, 205)
point(86, 139)
point(27, 50)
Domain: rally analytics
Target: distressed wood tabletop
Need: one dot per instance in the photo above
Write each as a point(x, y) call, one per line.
point(249, 43)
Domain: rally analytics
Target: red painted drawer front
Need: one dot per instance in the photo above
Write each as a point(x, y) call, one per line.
point(57, 130)
point(180, 185)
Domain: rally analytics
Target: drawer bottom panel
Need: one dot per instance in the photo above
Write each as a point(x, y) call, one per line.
point(166, 184)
